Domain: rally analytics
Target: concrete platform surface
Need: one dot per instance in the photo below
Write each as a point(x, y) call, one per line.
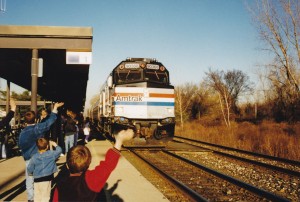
point(125, 183)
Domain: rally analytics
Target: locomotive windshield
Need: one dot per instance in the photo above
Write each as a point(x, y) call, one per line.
point(128, 75)
point(156, 76)
point(139, 72)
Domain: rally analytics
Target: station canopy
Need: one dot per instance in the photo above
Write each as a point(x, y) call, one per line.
point(60, 82)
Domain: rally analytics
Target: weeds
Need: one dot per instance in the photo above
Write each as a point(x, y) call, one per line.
point(275, 139)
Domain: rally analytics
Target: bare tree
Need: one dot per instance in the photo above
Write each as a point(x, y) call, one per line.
point(237, 84)
point(278, 24)
point(184, 96)
point(216, 81)
point(201, 103)
point(230, 86)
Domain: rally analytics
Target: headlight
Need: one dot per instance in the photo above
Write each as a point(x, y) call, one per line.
point(168, 120)
point(142, 65)
point(121, 120)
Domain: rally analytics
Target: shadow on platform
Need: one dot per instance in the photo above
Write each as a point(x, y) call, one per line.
point(10, 194)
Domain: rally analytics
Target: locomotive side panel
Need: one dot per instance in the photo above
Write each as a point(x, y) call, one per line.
point(143, 103)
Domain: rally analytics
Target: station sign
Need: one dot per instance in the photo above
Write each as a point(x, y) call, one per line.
point(78, 58)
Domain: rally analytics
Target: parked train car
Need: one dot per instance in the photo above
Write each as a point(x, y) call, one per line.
point(137, 94)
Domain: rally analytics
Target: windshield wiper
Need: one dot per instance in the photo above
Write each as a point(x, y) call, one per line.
point(157, 75)
point(127, 74)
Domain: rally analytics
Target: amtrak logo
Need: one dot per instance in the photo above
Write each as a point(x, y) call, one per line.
point(129, 98)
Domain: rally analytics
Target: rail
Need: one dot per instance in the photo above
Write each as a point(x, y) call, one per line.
point(166, 165)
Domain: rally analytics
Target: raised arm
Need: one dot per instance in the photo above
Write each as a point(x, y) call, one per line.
point(122, 136)
point(45, 126)
point(56, 105)
point(10, 114)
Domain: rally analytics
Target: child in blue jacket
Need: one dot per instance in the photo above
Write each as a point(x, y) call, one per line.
point(42, 166)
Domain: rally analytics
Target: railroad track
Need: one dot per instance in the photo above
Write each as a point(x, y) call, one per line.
point(284, 165)
point(200, 182)
point(279, 176)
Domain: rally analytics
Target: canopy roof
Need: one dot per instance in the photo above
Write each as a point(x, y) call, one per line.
point(60, 81)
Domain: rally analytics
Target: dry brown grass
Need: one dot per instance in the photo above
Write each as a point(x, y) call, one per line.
point(275, 139)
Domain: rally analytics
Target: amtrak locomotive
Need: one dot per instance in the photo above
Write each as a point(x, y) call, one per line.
point(137, 94)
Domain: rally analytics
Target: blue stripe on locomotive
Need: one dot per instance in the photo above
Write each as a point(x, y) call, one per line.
point(146, 103)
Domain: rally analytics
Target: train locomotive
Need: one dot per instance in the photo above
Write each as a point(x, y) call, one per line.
point(137, 94)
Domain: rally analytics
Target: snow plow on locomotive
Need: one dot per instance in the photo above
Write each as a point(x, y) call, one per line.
point(137, 94)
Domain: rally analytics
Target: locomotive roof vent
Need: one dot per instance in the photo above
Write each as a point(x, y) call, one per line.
point(142, 59)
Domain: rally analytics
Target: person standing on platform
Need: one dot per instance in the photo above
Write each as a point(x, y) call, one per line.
point(44, 115)
point(5, 123)
point(80, 124)
point(87, 129)
point(70, 130)
point(28, 137)
point(42, 166)
point(83, 184)
point(61, 133)
point(54, 133)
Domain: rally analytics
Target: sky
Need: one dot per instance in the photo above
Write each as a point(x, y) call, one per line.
point(187, 36)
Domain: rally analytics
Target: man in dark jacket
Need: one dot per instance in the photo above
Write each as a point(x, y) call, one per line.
point(70, 130)
point(10, 114)
point(27, 141)
point(3, 123)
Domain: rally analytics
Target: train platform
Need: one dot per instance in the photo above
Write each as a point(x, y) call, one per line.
point(125, 183)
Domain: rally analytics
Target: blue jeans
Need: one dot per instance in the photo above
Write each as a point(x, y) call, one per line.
point(3, 150)
point(29, 183)
point(75, 138)
point(69, 142)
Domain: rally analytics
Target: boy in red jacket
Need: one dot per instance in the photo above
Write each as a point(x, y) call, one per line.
point(84, 184)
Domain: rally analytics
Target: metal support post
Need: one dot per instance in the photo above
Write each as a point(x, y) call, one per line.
point(7, 96)
point(34, 79)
